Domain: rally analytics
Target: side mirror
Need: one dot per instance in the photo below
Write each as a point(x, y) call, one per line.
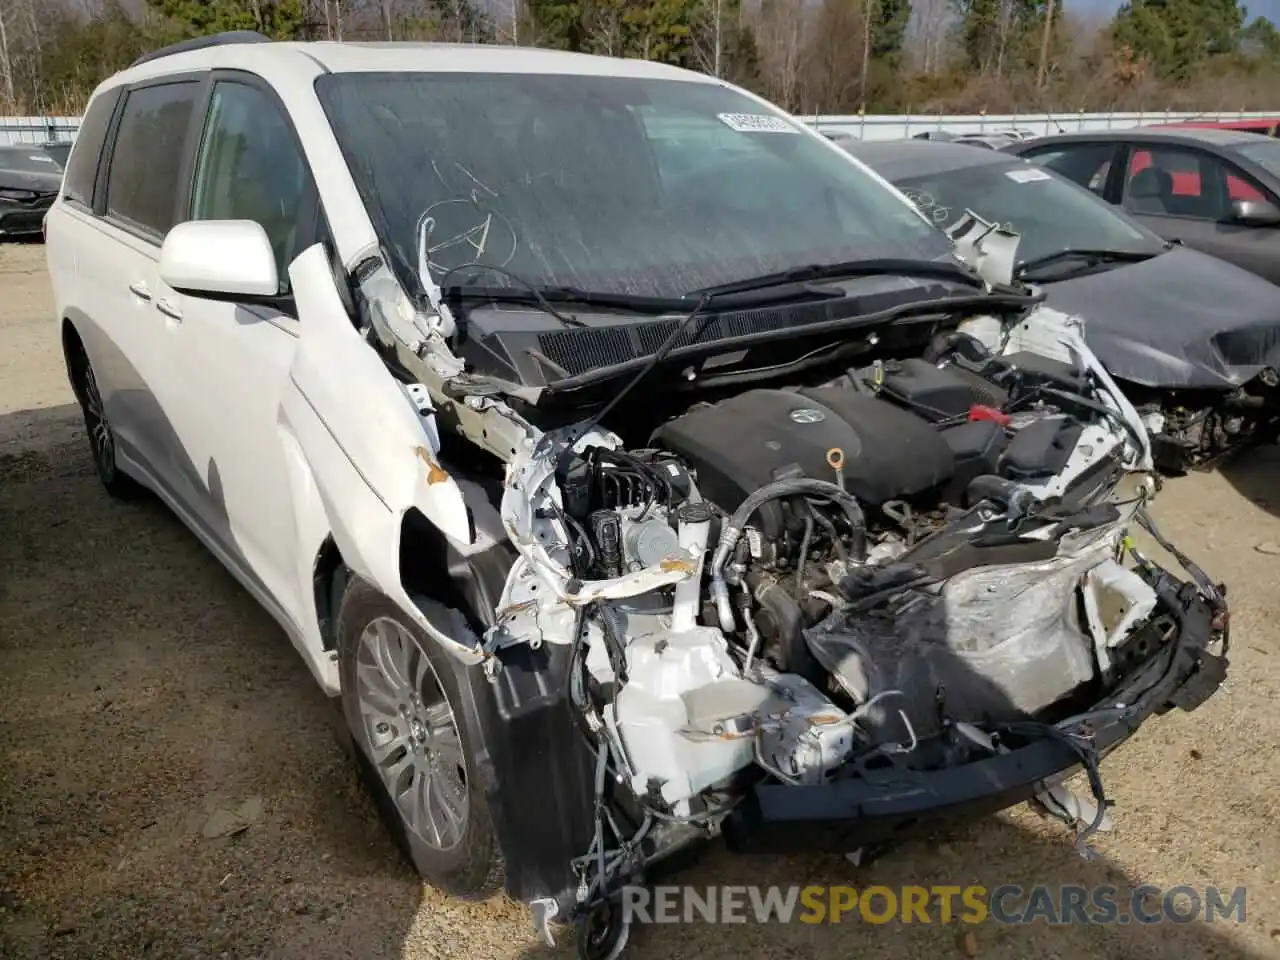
point(219, 259)
point(1255, 213)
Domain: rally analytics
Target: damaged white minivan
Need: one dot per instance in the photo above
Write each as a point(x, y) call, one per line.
point(637, 467)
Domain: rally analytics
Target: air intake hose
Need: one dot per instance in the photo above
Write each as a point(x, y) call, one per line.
point(732, 530)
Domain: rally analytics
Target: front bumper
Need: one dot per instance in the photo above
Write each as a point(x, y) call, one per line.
point(885, 807)
point(22, 219)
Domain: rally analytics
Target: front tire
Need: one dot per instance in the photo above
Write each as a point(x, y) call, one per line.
point(102, 440)
point(413, 746)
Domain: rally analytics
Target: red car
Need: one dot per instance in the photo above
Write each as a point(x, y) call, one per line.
point(1189, 183)
point(1267, 126)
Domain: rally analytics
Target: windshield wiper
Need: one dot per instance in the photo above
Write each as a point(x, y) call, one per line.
point(1089, 258)
point(544, 296)
point(849, 269)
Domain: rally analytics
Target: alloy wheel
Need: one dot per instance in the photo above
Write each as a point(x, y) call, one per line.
point(101, 439)
point(413, 738)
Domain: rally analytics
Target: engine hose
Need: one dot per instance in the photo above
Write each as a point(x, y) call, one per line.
point(1015, 498)
point(615, 632)
point(804, 556)
point(732, 530)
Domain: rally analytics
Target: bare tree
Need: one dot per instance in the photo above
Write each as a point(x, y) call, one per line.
point(780, 36)
point(869, 10)
point(1044, 44)
point(6, 63)
point(928, 37)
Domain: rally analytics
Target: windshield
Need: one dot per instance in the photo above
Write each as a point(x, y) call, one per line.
point(1047, 211)
point(1265, 153)
point(28, 160)
point(620, 185)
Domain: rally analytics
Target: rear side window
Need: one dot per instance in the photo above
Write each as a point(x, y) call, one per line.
point(1087, 163)
point(82, 168)
point(146, 161)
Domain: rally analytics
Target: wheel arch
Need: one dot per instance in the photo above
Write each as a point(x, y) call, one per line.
point(72, 339)
point(429, 566)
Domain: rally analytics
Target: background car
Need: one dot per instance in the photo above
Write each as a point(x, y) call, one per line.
point(1214, 190)
point(1190, 336)
point(29, 180)
point(1267, 126)
point(989, 139)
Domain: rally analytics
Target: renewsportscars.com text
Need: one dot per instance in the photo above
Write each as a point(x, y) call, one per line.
point(940, 904)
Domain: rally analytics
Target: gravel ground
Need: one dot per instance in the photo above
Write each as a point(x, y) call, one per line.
point(141, 690)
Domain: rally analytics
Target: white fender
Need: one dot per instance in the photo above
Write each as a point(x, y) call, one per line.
point(373, 455)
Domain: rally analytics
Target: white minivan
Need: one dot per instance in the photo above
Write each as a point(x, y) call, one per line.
point(635, 466)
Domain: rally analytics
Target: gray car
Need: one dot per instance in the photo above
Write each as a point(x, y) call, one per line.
point(1214, 190)
point(30, 177)
point(1194, 340)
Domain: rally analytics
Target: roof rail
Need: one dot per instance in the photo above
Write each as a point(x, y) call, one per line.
point(199, 43)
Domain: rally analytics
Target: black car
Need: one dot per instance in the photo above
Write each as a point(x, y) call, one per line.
point(1195, 341)
point(30, 177)
point(1212, 189)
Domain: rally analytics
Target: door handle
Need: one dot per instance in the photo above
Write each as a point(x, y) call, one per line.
point(169, 310)
point(139, 290)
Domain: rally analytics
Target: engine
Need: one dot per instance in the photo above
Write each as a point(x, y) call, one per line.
point(833, 524)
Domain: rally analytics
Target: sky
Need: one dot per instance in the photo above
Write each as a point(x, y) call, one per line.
point(1257, 8)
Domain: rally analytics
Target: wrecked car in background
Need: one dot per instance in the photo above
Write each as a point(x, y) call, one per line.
point(635, 466)
point(29, 179)
point(1193, 340)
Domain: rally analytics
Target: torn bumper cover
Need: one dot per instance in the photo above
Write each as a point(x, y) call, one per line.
point(879, 807)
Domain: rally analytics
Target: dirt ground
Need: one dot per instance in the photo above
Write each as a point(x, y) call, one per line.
point(141, 690)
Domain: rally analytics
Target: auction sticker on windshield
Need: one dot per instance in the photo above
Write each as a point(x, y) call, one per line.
point(756, 123)
point(1027, 176)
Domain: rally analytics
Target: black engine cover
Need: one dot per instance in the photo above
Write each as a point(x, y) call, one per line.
point(741, 444)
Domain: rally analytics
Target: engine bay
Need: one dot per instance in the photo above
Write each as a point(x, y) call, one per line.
point(785, 582)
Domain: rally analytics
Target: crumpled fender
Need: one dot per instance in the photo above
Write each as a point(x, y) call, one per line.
point(372, 454)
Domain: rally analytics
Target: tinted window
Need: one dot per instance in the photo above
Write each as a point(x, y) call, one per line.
point(616, 184)
point(1049, 213)
point(82, 167)
point(147, 159)
point(1173, 182)
point(250, 168)
point(1086, 164)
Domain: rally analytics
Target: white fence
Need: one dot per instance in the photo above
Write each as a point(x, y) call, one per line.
point(15, 130)
point(882, 127)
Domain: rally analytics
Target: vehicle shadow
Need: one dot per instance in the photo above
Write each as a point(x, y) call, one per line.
point(1255, 474)
point(1015, 848)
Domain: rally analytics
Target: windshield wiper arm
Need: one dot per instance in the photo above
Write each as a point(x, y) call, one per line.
point(636, 303)
point(929, 269)
point(1091, 258)
point(564, 295)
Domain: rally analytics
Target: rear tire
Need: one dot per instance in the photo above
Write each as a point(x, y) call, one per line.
point(102, 440)
point(412, 743)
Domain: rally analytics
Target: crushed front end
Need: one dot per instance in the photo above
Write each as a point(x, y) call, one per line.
point(829, 615)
